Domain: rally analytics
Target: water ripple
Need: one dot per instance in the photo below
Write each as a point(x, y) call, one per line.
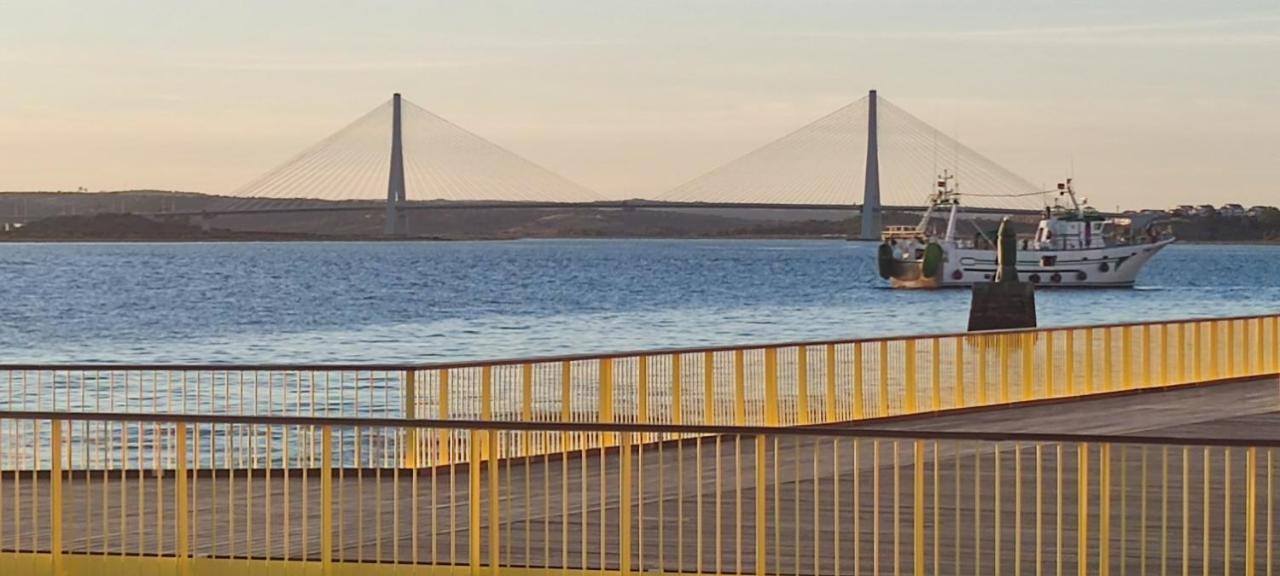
point(389, 302)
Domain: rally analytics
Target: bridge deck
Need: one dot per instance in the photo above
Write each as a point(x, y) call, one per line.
point(830, 504)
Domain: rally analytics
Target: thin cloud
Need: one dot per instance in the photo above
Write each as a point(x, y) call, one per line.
point(1241, 31)
point(1219, 31)
point(253, 64)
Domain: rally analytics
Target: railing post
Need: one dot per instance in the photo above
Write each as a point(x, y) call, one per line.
point(486, 393)
point(1082, 511)
point(1146, 380)
point(642, 390)
point(495, 516)
point(1049, 381)
point(410, 394)
point(1215, 350)
point(709, 387)
point(859, 382)
point(1108, 361)
point(605, 410)
point(473, 498)
point(526, 390)
point(935, 373)
point(831, 405)
point(1166, 352)
point(1028, 366)
point(1275, 343)
point(1231, 348)
point(624, 517)
point(326, 499)
point(55, 480)
point(1126, 363)
point(677, 389)
point(982, 370)
point(739, 388)
point(1003, 358)
point(1262, 347)
point(566, 392)
point(1226, 511)
point(1246, 360)
point(1251, 509)
point(1180, 352)
point(1197, 351)
point(909, 376)
point(444, 442)
point(762, 494)
point(883, 358)
point(1104, 510)
point(771, 386)
point(1069, 356)
point(918, 509)
point(1088, 360)
point(802, 384)
point(182, 500)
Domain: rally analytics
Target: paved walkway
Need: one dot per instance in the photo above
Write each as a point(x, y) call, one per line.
point(830, 505)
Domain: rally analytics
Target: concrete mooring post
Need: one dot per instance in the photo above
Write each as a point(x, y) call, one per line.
point(1006, 302)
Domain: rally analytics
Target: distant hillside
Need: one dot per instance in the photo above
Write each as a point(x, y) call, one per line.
point(1218, 228)
point(30, 208)
point(128, 227)
point(453, 223)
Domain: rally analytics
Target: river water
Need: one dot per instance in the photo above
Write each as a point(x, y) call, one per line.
point(438, 301)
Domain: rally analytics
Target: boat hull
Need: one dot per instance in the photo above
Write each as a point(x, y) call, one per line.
point(1109, 267)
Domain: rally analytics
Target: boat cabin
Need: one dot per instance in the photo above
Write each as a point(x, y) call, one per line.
point(1072, 232)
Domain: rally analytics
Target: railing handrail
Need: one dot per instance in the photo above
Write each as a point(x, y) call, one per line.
point(620, 427)
point(546, 359)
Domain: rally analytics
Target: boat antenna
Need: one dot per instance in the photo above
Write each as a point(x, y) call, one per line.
point(955, 141)
point(1065, 189)
point(935, 152)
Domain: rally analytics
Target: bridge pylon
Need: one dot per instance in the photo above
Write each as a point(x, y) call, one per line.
point(869, 213)
point(395, 219)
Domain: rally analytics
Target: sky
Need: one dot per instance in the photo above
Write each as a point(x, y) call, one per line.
point(1145, 103)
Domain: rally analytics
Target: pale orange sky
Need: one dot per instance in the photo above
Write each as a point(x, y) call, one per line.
point(1154, 103)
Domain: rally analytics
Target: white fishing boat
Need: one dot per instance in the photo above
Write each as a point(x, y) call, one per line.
point(1073, 246)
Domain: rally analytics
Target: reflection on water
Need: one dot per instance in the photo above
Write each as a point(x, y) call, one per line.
point(391, 302)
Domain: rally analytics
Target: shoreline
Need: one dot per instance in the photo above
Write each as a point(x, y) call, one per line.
point(272, 238)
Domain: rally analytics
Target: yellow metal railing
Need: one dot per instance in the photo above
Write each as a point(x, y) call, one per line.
point(766, 385)
point(823, 382)
point(98, 494)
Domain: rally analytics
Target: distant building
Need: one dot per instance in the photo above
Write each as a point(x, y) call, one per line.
point(1231, 211)
point(1258, 211)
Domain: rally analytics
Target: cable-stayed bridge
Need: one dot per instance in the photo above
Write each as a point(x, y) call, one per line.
point(868, 156)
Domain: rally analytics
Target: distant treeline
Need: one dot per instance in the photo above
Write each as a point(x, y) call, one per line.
point(1262, 227)
point(20, 209)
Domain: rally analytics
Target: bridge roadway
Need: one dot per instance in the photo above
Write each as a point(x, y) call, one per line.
point(357, 206)
point(694, 505)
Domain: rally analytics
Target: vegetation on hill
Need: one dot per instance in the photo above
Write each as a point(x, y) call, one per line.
point(1263, 227)
point(79, 216)
point(128, 227)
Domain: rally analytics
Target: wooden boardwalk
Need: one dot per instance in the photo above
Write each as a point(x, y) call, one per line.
point(1244, 410)
point(830, 506)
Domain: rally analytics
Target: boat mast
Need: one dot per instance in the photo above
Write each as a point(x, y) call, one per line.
point(923, 226)
point(1065, 188)
point(947, 193)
